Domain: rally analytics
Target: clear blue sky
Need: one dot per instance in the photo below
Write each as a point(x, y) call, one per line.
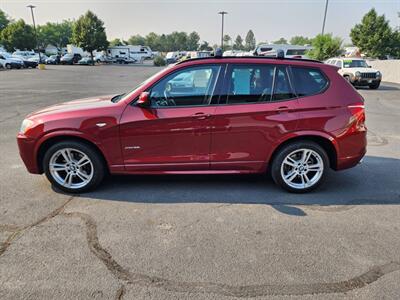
point(269, 19)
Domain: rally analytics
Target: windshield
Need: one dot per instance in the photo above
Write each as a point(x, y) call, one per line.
point(356, 63)
point(127, 95)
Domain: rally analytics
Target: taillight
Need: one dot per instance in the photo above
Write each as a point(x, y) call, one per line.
point(357, 119)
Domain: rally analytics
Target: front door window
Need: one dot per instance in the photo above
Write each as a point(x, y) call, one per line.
point(189, 87)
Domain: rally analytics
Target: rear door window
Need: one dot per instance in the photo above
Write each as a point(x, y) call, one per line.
point(257, 83)
point(308, 81)
point(250, 84)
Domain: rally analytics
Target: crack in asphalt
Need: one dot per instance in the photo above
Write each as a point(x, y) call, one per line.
point(129, 277)
point(120, 293)
point(19, 230)
point(16, 114)
point(375, 139)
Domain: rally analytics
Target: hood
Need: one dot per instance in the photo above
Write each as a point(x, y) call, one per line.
point(75, 106)
point(361, 70)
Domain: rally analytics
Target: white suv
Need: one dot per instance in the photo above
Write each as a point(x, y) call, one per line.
point(357, 71)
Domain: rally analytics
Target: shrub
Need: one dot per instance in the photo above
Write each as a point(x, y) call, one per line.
point(159, 61)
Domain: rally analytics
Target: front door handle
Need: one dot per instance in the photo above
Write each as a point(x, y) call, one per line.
point(282, 109)
point(201, 116)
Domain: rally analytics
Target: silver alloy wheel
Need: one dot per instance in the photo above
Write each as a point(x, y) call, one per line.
point(302, 168)
point(71, 168)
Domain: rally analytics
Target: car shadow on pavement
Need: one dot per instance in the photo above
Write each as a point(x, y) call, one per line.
point(383, 87)
point(375, 182)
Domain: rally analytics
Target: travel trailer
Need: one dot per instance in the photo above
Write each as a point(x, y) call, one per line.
point(139, 53)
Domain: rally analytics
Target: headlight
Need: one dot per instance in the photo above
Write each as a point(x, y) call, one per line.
point(26, 124)
point(358, 74)
point(378, 74)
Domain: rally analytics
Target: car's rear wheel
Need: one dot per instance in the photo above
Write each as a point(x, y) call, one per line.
point(300, 167)
point(73, 167)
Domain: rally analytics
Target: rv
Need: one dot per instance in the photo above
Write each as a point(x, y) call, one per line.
point(139, 53)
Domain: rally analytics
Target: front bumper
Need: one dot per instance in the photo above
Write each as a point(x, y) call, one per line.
point(365, 81)
point(26, 148)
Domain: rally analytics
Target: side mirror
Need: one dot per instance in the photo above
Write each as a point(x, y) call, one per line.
point(144, 100)
point(369, 66)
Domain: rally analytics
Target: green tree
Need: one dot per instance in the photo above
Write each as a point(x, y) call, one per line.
point(137, 40)
point(152, 40)
point(300, 40)
point(227, 41)
point(281, 41)
point(238, 45)
point(89, 33)
point(373, 36)
point(116, 42)
point(193, 41)
point(4, 20)
point(56, 34)
point(250, 41)
point(325, 46)
point(205, 46)
point(18, 35)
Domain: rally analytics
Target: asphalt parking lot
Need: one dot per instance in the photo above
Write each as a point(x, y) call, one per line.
point(195, 237)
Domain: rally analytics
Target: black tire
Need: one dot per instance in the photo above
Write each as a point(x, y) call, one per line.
point(290, 148)
point(8, 66)
point(374, 86)
point(99, 168)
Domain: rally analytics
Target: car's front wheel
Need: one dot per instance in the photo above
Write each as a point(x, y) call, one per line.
point(300, 167)
point(374, 85)
point(73, 167)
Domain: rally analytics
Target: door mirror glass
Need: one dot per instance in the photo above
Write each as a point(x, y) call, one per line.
point(144, 100)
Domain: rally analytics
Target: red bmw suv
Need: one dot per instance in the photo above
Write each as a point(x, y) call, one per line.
point(292, 118)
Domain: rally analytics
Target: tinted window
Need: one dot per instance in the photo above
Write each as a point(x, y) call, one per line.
point(249, 84)
point(282, 88)
point(296, 51)
point(188, 87)
point(308, 81)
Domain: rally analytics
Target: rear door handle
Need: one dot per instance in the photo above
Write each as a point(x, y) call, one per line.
point(282, 109)
point(201, 116)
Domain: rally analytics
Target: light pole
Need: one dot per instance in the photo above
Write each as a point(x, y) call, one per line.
point(222, 13)
point(326, 10)
point(34, 29)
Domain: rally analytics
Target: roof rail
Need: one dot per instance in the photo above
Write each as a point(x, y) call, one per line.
point(251, 57)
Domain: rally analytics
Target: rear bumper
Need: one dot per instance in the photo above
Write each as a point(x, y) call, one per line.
point(352, 149)
point(26, 148)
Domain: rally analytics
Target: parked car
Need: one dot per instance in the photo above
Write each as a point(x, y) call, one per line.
point(124, 60)
point(53, 60)
point(25, 54)
point(30, 63)
point(290, 117)
point(35, 58)
point(85, 61)
point(172, 57)
point(70, 59)
point(101, 58)
point(357, 71)
point(11, 62)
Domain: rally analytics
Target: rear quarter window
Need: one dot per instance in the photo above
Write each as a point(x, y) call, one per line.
point(308, 81)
